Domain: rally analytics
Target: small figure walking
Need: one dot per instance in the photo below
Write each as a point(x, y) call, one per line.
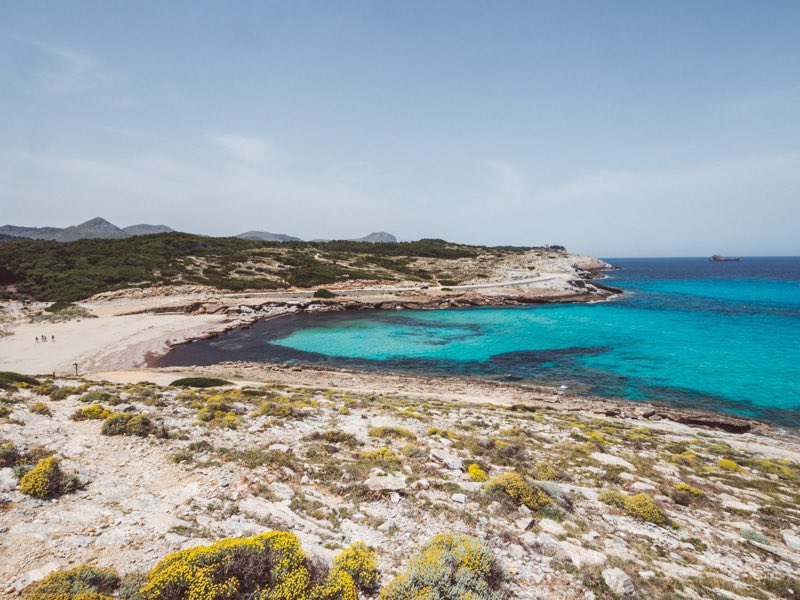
point(36, 339)
point(44, 338)
point(52, 338)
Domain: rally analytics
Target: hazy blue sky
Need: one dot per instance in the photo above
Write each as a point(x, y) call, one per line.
point(616, 128)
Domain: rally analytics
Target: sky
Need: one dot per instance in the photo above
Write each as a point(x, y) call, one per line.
point(616, 128)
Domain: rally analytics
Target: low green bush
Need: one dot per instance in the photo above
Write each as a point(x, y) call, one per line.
point(323, 293)
point(200, 382)
point(11, 377)
point(449, 567)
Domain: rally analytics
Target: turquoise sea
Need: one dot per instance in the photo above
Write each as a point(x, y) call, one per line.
point(716, 336)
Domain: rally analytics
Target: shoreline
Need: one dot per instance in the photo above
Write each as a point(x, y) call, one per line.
point(479, 390)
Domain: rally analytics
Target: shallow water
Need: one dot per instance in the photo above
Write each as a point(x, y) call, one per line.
point(717, 336)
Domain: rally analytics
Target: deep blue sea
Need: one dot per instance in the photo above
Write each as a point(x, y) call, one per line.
point(715, 336)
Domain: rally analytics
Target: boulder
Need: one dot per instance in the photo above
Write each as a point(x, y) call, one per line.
point(380, 481)
point(451, 461)
point(791, 539)
point(618, 582)
point(610, 459)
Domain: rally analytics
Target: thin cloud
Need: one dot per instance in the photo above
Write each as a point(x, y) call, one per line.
point(64, 71)
point(247, 149)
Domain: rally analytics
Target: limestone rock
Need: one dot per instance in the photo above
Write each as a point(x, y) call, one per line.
point(610, 459)
point(791, 539)
point(618, 582)
point(7, 480)
point(380, 481)
point(451, 461)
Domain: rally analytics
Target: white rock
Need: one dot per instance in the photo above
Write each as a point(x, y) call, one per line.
point(735, 504)
point(379, 481)
point(552, 527)
point(641, 486)
point(7, 480)
point(459, 498)
point(791, 539)
point(278, 448)
point(524, 523)
point(610, 459)
point(451, 461)
point(281, 490)
point(618, 582)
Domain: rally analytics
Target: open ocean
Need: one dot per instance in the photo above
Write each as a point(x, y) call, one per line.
point(693, 333)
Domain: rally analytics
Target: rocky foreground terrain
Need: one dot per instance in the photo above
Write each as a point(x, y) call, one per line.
point(572, 504)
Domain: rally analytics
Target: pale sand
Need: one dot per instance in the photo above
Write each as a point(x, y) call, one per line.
point(107, 342)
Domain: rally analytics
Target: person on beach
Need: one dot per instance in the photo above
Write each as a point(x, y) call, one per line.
point(52, 338)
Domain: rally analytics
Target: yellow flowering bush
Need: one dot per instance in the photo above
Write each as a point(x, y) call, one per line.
point(640, 506)
point(360, 562)
point(270, 566)
point(43, 480)
point(40, 408)
point(81, 583)
point(685, 487)
point(476, 473)
point(516, 488)
point(728, 465)
point(128, 424)
point(544, 472)
point(384, 456)
point(449, 566)
point(93, 412)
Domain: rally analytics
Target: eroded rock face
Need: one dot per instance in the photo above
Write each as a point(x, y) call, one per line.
point(610, 459)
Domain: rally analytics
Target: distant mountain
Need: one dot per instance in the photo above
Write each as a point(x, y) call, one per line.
point(266, 236)
point(96, 228)
point(378, 237)
point(144, 229)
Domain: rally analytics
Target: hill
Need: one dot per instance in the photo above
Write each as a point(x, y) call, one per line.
point(97, 228)
point(55, 271)
point(266, 236)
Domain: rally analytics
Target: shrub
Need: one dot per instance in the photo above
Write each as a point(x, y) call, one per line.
point(390, 431)
point(476, 473)
point(333, 436)
point(640, 506)
point(93, 412)
point(9, 455)
point(383, 456)
point(47, 480)
point(516, 488)
point(96, 396)
point(81, 583)
point(270, 566)
point(40, 408)
point(445, 433)
point(728, 465)
point(612, 498)
point(685, 487)
point(323, 293)
point(754, 536)
point(544, 472)
point(451, 566)
point(645, 508)
point(128, 424)
point(200, 382)
point(360, 562)
point(686, 458)
point(11, 377)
